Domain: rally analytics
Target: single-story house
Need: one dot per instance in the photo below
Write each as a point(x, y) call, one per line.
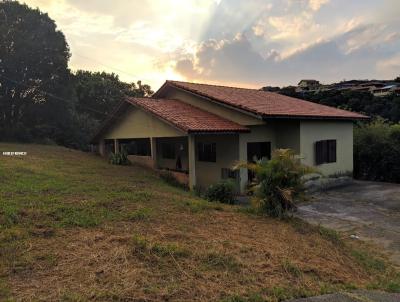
point(199, 131)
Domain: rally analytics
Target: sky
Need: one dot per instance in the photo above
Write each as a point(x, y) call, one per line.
point(245, 43)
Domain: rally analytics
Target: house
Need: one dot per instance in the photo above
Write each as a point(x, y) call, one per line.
point(198, 131)
point(386, 90)
point(308, 85)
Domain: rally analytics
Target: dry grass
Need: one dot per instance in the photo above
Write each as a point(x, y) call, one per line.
point(74, 228)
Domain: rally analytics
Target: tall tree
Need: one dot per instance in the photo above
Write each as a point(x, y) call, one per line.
point(33, 69)
point(98, 92)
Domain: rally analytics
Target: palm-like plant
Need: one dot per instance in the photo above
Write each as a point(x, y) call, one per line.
point(278, 181)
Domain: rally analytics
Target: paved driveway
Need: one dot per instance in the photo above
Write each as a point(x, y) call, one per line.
point(370, 210)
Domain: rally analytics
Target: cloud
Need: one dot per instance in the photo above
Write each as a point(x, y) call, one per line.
point(251, 43)
point(348, 55)
point(315, 5)
point(389, 66)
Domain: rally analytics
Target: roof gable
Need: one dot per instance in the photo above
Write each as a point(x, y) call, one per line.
point(263, 103)
point(186, 117)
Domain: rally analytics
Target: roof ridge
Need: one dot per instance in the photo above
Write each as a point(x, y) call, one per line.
point(214, 85)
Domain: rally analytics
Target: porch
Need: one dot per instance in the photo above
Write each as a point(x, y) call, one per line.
point(196, 160)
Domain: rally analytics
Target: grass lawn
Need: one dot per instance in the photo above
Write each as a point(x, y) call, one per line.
point(75, 228)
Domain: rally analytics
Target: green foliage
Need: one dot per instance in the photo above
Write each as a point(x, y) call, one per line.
point(291, 268)
point(221, 261)
point(221, 191)
point(387, 107)
point(278, 182)
point(120, 158)
point(103, 91)
point(144, 246)
point(368, 261)
point(140, 214)
point(377, 151)
point(40, 99)
point(34, 58)
point(331, 235)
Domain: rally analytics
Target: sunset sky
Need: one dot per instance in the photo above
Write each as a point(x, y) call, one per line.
point(248, 43)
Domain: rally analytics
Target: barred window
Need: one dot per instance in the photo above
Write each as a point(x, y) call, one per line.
point(207, 152)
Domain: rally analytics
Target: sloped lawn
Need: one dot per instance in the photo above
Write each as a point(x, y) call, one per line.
point(74, 228)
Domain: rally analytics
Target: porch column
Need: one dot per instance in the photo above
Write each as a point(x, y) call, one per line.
point(102, 150)
point(153, 146)
point(116, 146)
point(192, 161)
point(243, 173)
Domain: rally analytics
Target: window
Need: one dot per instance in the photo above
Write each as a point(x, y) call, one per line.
point(168, 150)
point(207, 152)
point(138, 146)
point(257, 151)
point(325, 151)
point(229, 173)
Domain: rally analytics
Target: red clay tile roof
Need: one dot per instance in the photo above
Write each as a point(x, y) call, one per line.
point(186, 117)
point(263, 103)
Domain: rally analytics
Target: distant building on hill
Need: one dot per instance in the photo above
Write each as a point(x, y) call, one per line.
point(386, 90)
point(308, 85)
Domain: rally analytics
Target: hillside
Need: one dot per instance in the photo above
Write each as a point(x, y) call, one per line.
point(75, 228)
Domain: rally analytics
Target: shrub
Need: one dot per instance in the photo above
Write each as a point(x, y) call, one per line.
point(221, 191)
point(376, 151)
point(278, 182)
point(120, 158)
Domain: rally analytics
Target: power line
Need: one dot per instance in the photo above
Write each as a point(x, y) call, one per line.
point(55, 96)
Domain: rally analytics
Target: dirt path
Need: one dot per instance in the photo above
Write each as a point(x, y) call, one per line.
point(370, 210)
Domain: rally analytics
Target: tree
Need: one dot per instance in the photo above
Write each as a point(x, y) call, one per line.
point(99, 92)
point(33, 69)
point(278, 182)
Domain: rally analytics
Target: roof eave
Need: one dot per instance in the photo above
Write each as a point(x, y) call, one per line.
point(312, 117)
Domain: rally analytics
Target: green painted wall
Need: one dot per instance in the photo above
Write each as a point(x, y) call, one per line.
point(227, 151)
point(288, 135)
point(312, 131)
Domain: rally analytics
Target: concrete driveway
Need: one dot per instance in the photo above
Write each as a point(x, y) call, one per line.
point(370, 210)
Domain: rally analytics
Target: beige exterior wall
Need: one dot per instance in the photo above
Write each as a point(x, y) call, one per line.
point(261, 133)
point(312, 131)
point(136, 123)
point(233, 115)
point(288, 135)
point(227, 152)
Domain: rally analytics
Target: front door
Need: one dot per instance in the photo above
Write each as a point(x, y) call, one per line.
point(257, 151)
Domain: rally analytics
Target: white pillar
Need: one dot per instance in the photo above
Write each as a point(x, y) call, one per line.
point(102, 150)
point(243, 173)
point(116, 146)
point(192, 161)
point(153, 145)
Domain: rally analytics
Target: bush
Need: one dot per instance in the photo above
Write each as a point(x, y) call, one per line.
point(120, 158)
point(377, 151)
point(221, 191)
point(278, 182)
